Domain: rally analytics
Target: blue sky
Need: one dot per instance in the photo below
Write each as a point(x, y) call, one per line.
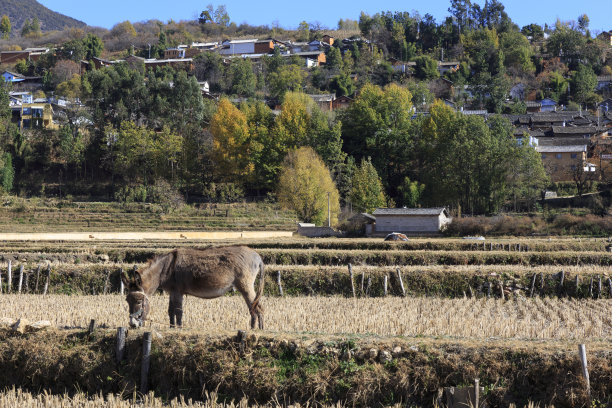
point(107, 13)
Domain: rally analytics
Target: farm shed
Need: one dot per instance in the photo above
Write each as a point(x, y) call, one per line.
point(412, 221)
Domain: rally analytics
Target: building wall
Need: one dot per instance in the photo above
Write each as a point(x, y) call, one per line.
point(561, 165)
point(240, 48)
point(264, 47)
point(11, 57)
point(407, 223)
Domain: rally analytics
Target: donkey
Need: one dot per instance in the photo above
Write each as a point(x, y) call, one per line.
point(208, 274)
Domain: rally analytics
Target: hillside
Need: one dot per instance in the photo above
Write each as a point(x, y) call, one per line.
point(20, 10)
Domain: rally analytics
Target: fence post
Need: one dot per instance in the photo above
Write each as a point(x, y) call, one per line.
point(561, 280)
point(48, 273)
point(121, 288)
point(106, 282)
point(476, 393)
point(362, 282)
point(37, 278)
point(401, 282)
point(585, 370)
point(146, 362)
point(501, 290)
point(385, 285)
point(20, 279)
point(367, 292)
point(533, 281)
point(591, 288)
point(25, 282)
point(92, 327)
point(9, 276)
point(120, 348)
point(610, 286)
point(278, 281)
point(599, 288)
point(350, 268)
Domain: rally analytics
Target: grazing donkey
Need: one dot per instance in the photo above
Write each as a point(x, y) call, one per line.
point(208, 274)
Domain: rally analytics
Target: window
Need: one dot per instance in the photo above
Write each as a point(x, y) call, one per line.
point(558, 155)
point(574, 155)
point(26, 123)
point(37, 113)
point(27, 111)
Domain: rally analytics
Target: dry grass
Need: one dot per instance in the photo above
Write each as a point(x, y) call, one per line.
point(24, 399)
point(546, 318)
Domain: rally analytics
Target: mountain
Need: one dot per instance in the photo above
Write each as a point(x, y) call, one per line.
point(20, 10)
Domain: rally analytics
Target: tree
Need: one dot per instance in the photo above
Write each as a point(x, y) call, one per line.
point(367, 192)
point(93, 46)
point(286, 78)
point(410, 192)
point(123, 29)
point(517, 52)
point(584, 82)
point(426, 68)
point(231, 143)
point(5, 27)
point(305, 185)
point(303, 31)
point(243, 80)
point(134, 152)
point(7, 172)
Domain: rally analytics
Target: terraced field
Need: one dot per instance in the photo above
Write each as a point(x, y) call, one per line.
point(423, 315)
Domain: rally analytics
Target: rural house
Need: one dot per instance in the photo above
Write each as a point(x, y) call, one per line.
point(412, 221)
point(561, 162)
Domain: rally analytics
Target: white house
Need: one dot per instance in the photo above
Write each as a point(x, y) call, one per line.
point(410, 220)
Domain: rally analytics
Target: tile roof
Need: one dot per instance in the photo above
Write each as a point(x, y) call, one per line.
point(561, 149)
point(574, 130)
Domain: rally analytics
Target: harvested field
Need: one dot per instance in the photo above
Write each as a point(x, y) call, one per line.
point(474, 318)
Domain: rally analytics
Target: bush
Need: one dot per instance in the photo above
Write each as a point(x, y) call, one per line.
point(167, 196)
point(224, 192)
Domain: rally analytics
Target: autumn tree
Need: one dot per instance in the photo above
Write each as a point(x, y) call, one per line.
point(367, 192)
point(231, 144)
point(5, 27)
point(304, 186)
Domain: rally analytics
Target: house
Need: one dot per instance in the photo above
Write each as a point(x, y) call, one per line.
point(324, 101)
point(548, 105)
point(444, 67)
point(606, 105)
point(312, 58)
point(604, 82)
point(518, 91)
point(238, 47)
point(343, 102)
point(21, 82)
point(561, 162)
point(33, 116)
point(176, 63)
point(174, 53)
point(606, 37)
point(328, 39)
point(533, 106)
point(29, 54)
point(413, 221)
point(361, 223)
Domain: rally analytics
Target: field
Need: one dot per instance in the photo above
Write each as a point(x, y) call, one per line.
point(424, 315)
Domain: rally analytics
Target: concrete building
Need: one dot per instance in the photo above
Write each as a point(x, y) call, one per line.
point(560, 162)
point(410, 221)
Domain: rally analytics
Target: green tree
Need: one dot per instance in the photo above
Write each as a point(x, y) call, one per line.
point(410, 192)
point(367, 192)
point(304, 185)
point(517, 51)
point(8, 172)
point(243, 80)
point(584, 82)
point(135, 152)
point(286, 78)
point(5, 27)
point(426, 68)
point(93, 46)
point(303, 31)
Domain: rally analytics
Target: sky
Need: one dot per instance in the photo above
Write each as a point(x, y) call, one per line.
point(288, 14)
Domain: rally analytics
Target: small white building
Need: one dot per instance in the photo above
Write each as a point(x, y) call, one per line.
point(412, 221)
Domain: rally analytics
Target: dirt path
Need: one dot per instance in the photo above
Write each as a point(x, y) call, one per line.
point(92, 236)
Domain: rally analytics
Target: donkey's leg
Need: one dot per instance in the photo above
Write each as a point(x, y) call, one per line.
point(249, 295)
point(171, 311)
point(177, 299)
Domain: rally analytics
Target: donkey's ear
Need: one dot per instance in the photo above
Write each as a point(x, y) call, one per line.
point(125, 279)
point(137, 279)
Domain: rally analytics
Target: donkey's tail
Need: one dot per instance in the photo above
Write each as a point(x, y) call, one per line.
point(262, 280)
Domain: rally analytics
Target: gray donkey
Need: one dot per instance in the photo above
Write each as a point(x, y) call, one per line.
point(208, 274)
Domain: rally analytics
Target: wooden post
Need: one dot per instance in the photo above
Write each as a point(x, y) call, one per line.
point(501, 290)
point(476, 393)
point(48, 273)
point(585, 370)
point(362, 282)
point(367, 292)
point(471, 291)
point(120, 348)
point(0, 282)
point(146, 362)
point(385, 285)
point(92, 327)
point(350, 268)
point(9, 276)
point(533, 281)
point(37, 278)
point(106, 282)
point(121, 288)
point(561, 280)
point(591, 288)
point(519, 248)
point(401, 282)
point(599, 288)
point(278, 281)
point(25, 283)
point(610, 286)
point(541, 281)
point(577, 283)
point(20, 279)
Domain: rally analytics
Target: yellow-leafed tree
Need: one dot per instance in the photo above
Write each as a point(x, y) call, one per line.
point(304, 185)
point(231, 143)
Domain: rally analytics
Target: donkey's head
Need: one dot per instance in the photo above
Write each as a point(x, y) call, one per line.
point(137, 299)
